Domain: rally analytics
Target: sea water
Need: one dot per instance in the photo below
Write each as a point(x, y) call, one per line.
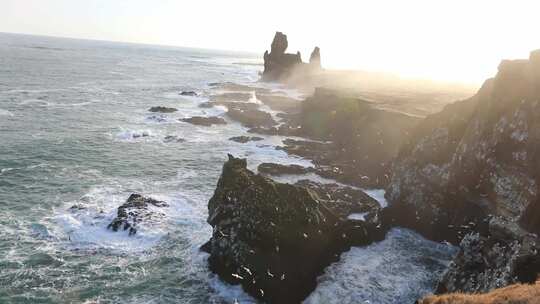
point(76, 139)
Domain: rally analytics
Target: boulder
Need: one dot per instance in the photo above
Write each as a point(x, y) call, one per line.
point(251, 117)
point(275, 239)
point(161, 109)
point(188, 93)
point(204, 121)
point(135, 210)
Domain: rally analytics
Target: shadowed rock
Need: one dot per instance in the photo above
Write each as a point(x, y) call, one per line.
point(245, 139)
point(134, 211)
point(204, 121)
point(279, 169)
point(188, 93)
point(275, 239)
point(160, 109)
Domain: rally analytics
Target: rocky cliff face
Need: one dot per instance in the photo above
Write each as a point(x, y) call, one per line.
point(366, 139)
point(279, 65)
point(275, 239)
point(475, 161)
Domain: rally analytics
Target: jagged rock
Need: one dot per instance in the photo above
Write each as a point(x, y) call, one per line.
point(251, 117)
point(188, 93)
point(342, 200)
point(162, 109)
point(135, 210)
point(278, 65)
point(478, 155)
point(275, 239)
point(315, 58)
point(173, 138)
point(281, 103)
point(279, 169)
point(244, 139)
point(231, 97)
point(204, 121)
point(504, 255)
point(469, 173)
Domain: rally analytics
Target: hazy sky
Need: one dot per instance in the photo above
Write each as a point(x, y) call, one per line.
point(460, 40)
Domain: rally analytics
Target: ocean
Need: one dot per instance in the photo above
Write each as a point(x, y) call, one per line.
point(75, 130)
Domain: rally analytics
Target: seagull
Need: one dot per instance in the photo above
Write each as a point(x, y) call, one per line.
point(234, 275)
point(247, 270)
point(262, 292)
point(282, 277)
point(269, 273)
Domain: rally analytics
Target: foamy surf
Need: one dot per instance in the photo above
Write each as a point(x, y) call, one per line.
point(399, 269)
point(6, 113)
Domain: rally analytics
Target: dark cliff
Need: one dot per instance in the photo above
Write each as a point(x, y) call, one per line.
point(469, 175)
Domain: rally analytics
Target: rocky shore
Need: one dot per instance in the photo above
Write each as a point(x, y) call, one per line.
point(466, 175)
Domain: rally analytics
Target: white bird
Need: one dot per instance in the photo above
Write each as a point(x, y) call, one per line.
point(247, 270)
point(269, 273)
point(234, 275)
point(262, 292)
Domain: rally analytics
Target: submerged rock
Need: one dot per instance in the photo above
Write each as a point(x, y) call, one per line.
point(173, 138)
point(135, 210)
point(188, 93)
point(205, 121)
point(244, 139)
point(275, 239)
point(161, 109)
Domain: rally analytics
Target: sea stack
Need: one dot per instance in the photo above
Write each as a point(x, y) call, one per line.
point(279, 65)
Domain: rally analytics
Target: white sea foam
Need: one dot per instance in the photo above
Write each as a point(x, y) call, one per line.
point(130, 135)
point(399, 269)
point(5, 113)
point(378, 195)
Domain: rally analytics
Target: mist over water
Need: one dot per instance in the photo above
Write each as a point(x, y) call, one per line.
point(75, 131)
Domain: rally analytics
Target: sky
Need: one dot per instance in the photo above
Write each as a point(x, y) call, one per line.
point(457, 40)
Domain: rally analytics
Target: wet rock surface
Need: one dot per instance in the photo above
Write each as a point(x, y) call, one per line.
point(160, 109)
point(205, 121)
point(188, 93)
point(275, 239)
point(245, 139)
point(135, 210)
point(342, 200)
point(469, 175)
point(279, 169)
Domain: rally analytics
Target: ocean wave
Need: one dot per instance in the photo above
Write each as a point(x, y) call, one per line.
point(6, 113)
point(399, 269)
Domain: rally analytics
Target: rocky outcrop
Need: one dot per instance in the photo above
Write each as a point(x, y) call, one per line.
point(360, 140)
point(279, 65)
point(504, 255)
point(135, 210)
point(275, 239)
point(471, 167)
point(279, 169)
point(245, 139)
point(188, 93)
point(204, 121)
point(160, 109)
point(315, 58)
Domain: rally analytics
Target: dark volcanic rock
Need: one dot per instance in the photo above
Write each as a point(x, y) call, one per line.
point(504, 255)
point(173, 138)
point(204, 121)
point(281, 103)
point(188, 93)
point(279, 169)
point(275, 239)
point(245, 139)
point(251, 117)
point(162, 109)
point(134, 211)
point(279, 65)
point(476, 159)
point(231, 97)
point(343, 201)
